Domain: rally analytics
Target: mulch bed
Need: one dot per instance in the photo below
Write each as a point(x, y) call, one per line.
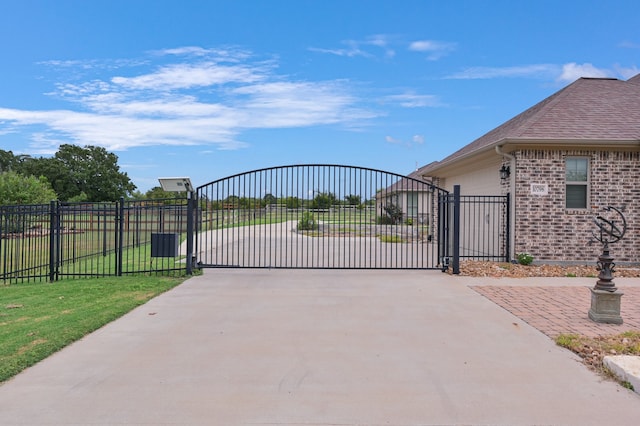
point(473, 268)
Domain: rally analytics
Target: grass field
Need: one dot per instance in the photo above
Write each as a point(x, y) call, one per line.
point(220, 219)
point(39, 319)
point(86, 256)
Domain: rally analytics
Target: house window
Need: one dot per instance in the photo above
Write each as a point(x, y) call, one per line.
point(412, 204)
point(577, 182)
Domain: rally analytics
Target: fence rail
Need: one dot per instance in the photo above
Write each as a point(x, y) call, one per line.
point(51, 241)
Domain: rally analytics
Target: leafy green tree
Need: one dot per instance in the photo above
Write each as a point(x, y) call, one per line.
point(324, 200)
point(232, 202)
point(292, 202)
point(81, 174)
point(8, 161)
point(57, 176)
point(269, 199)
point(244, 203)
point(249, 203)
point(18, 189)
point(353, 200)
point(93, 171)
point(136, 195)
point(157, 193)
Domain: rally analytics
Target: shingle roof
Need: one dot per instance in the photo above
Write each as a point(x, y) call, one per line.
point(588, 109)
point(405, 184)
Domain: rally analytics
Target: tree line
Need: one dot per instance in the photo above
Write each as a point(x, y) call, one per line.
point(321, 201)
point(92, 174)
point(72, 174)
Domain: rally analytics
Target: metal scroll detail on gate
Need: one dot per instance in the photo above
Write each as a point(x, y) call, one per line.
point(609, 232)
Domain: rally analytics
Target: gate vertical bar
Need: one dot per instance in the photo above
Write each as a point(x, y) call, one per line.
point(191, 208)
point(53, 233)
point(443, 229)
point(507, 224)
point(456, 229)
point(119, 235)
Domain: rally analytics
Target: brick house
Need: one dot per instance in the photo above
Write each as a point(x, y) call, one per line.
point(563, 161)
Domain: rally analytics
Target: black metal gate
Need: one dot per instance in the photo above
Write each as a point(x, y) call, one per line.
point(479, 227)
point(320, 216)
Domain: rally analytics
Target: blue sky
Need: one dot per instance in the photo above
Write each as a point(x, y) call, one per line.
point(207, 89)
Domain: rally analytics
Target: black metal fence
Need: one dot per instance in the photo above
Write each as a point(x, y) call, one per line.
point(479, 227)
point(48, 242)
point(307, 216)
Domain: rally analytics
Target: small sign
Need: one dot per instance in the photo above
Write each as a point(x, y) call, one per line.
point(539, 189)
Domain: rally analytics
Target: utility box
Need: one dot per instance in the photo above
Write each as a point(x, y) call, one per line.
point(165, 245)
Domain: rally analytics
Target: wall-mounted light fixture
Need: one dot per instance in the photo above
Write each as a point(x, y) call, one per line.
point(505, 172)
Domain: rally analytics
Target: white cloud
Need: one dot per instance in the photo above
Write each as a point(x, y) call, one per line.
point(295, 104)
point(413, 100)
point(629, 45)
point(627, 72)
point(537, 70)
point(415, 140)
point(79, 66)
point(360, 47)
point(188, 50)
point(435, 49)
point(185, 76)
point(561, 73)
point(573, 71)
point(392, 140)
point(185, 102)
point(350, 51)
point(382, 41)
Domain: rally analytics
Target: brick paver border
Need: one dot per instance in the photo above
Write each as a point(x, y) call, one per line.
point(559, 310)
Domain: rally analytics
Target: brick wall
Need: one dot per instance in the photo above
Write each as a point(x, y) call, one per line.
point(549, 231)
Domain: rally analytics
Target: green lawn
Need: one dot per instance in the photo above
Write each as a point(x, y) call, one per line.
point(220, 219)
point(38, 319)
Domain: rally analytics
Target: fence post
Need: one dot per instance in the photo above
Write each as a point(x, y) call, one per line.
point(120, 238)
point(456, 229)
point(190, 210)
point(53, 234)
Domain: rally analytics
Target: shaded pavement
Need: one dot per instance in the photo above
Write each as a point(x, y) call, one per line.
point(322, 347)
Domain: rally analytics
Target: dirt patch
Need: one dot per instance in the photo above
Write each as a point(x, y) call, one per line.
point(593, 350)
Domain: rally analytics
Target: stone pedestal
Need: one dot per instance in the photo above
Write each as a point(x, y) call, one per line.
point(605, 306)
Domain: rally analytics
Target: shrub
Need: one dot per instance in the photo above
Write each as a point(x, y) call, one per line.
point(384, 220)
point(525, 258)
point(392, 239)
point(393, 215)
point(307, 223)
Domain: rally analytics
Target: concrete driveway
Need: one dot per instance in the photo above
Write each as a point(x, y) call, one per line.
point(316, 347)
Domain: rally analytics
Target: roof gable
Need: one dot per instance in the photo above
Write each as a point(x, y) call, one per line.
point(635, 79)
point(588, 109)
point(413, 182)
